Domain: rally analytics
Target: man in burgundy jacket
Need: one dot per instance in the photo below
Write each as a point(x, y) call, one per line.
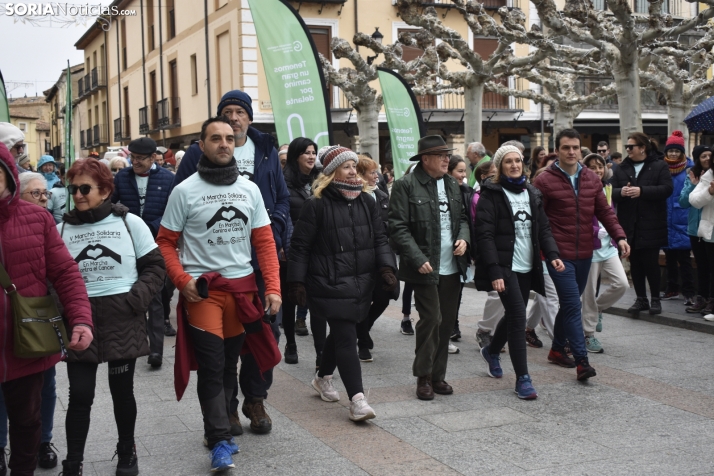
point(572, 195)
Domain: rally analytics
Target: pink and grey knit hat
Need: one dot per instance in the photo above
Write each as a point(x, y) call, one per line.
point(336, 156)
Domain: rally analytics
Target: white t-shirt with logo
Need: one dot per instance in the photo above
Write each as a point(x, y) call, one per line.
point(216, 222)
point(142, 183)
point(106, 253)
point(523, 224)
point(447, 262)
point(245, 158)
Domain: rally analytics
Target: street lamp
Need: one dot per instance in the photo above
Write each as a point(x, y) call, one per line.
point(378, 37)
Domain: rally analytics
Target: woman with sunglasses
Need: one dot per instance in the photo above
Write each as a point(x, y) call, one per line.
point(122, 270)
point(117, 163)
point(640, 188)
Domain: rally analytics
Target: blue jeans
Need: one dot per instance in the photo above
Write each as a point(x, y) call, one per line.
point(570, 285)
point(47, 409)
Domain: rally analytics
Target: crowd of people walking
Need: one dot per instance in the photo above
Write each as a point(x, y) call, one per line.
point(256, 237)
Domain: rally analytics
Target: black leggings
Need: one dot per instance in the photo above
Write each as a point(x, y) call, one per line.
point(407, 299)
point(380, 302)
point(513, 325)
point(704, 269)
point(340, 352)
point(644, 264)
point(289, 307)
point(82, 383)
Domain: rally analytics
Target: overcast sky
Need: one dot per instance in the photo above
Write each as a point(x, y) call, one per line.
point(38, 54)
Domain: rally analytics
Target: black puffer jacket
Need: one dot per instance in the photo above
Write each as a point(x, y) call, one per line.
point(299, 192)
point(120, 319)
point(644, 218)
point(497, 235)
point(338, 246)
point(383, 205)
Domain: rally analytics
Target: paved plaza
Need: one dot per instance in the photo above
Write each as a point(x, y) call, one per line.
point(649, 411)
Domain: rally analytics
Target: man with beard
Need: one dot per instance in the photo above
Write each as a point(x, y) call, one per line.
point(257, 160)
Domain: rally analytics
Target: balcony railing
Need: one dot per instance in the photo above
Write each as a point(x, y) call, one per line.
point(650, 100)
point(122, 129)
point(80, 88)
point(89, 138)
point(87, 84)
point(488, 4)
point(100, 134)
point(82, 140)
point(99, 79)
point(143, 120)
point(169, 113)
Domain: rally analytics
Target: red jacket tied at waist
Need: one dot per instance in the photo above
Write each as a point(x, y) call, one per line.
point(261, 344)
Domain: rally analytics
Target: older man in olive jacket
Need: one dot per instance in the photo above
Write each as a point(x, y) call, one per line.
point(428, 228)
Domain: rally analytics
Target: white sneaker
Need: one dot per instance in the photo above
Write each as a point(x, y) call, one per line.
point(325, 388)
point(360, 409)
point(453, 349)
point(709, 317)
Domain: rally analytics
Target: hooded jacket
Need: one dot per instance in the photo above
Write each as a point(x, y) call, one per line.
point(695, 214)
point(338, 246)
point(644, 218)
point(51, 177)
point(268, 176)
point(32, 252)
point(678, 216)
point(160, 185)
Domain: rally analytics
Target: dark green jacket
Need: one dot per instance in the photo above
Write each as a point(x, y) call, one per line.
point(414, 224)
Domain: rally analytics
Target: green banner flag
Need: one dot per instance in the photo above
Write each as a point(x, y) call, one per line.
point(4, 108)
point(404, 119)
point(68, 142)
point(298, 93)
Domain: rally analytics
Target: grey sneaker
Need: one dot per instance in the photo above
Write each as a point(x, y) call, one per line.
point(360, 409)
point(593, 345)
point(325, 388)
point(483, 338)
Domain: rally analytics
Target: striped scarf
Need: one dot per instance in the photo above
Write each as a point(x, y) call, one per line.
point(350, 189)
point(676, 165)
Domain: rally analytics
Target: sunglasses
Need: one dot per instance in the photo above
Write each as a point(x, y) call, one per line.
point(18, 147)
point(84, 189)
point(36, 194)
point(631, 146)
point(116, 170)
point(140, 158)
point(599, 151)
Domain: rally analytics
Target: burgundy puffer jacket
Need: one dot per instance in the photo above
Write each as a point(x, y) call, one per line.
point(571, 214)
point(32, 252)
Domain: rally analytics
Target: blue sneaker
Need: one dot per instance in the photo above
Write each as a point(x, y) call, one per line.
point(493, 361)
point(221, 457)
point(231, 444)
point(524, 388)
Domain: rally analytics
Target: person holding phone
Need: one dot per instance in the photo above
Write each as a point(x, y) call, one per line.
point(512, 229)
point(216, 215)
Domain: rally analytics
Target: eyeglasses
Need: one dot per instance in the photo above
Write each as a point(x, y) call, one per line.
point(18, 147)
point(441, 156)
point(631, 146)
point(116, 170)
point(36, 194)
point(84, 189)
point(602, 151)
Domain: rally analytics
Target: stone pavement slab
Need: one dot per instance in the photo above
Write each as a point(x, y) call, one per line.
point(649, 411)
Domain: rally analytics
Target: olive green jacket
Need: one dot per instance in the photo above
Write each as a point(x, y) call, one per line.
point(414, 224)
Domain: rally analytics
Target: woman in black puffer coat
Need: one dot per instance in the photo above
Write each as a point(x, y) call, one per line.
point(338, 247)
point(512, 229)
point(640, 188)
point(300, 172)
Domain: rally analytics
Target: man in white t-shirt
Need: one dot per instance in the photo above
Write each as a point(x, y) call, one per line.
point(215, 217)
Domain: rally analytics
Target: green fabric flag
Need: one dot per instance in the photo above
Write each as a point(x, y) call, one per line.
point(4, 109)
point(295, 80)
point(68, 142)
point(404, 119)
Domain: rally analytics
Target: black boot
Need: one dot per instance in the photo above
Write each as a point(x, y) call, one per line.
point(655, 307)
point(71, 468)
point(46, 457)
point(709, 308)
point(291, 354)
point(128, 464)
point(3, 463)
point(640, 304)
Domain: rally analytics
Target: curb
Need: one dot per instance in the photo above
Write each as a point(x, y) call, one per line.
point(697, 324)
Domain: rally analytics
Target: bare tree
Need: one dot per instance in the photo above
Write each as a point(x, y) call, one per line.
point(619, 36)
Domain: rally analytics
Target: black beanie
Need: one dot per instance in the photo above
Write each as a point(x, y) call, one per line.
point(239, 98)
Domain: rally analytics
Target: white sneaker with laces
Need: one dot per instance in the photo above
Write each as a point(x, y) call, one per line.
point(325, 388)
point(360, 409)
point(709, 317)
point(453, 349)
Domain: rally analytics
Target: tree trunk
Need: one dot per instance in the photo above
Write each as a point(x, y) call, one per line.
point(627, 82)
point(368, 124)
point(564, 118)
point(677, 110)
point(473, 113)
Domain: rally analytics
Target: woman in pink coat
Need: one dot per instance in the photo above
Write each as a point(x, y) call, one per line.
point(32, 252)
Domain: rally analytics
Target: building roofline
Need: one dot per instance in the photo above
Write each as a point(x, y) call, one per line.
point(96, 27)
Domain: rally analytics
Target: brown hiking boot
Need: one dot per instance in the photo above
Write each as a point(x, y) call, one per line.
point(254, 410)
point(236, 426)
point(424, 389)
